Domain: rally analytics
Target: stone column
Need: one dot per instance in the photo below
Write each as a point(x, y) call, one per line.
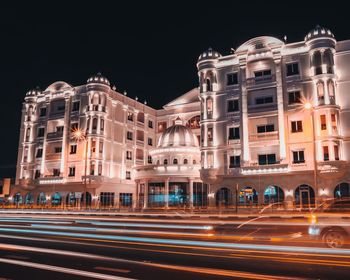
point(244, 100)
point(135, 198)
point(190, 185)
point(167, 193)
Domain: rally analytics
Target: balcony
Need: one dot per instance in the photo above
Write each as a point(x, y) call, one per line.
point(333, 168)
point(267, 136)
point(253, 168)
point(50, 179)
point(54, 135)
point(54, 156)
point(96, 108)
point(260, 81)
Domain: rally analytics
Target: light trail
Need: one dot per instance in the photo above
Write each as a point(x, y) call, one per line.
point(195, 243)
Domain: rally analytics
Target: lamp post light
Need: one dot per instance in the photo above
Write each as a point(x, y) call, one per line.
point(308, 106)
point(79, 135)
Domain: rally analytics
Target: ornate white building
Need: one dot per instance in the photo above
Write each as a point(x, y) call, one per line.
point(271, 120)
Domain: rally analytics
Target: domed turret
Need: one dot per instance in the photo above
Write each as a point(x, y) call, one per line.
point(319, 32)
point(209, 54)
point(98, 79)
point(33, 93)
point(177, 135)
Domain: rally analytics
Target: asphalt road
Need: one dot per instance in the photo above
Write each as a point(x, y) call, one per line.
point(76, 247)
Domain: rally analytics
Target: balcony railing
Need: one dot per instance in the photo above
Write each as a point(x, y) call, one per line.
point(260, 80)
point(55, 156)
point(98, 108)
point(54, 135)
point(267, 136)
point(255, 168)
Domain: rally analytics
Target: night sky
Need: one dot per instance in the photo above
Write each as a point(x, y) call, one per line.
point(149, 50)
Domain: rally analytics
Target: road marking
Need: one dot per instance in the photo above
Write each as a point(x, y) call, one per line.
point(65, 270)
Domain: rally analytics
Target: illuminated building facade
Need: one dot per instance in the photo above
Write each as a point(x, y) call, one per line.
point(269, 123)
point(275, 121)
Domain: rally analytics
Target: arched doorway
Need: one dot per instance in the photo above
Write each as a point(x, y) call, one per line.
point(223, 197)
point(86, 199)
point(17, 198)
point(41, 200)
point(342, 190)
point(304, 196)
point(72, 200)
point(56, 199)
point(29, 199)
point(273, 194)
point(248, 196)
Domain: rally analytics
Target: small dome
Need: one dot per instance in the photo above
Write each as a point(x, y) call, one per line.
point(98, 78)
point(33, 92)
point(177, 135)
point(319, 32)
point(209, 54)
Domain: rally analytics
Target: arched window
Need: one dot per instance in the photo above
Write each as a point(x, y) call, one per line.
point(331, 91)
point(41, 199)
point(185, 161)
point(27, 134)
point(94, 124)
point(248, 196)
point(165, 162)
point(209, 107)
point(56, 199)
point(328, 61)
point(92, 168)
point(102, 124)
point(317, 62)
point(193, 122)
point(304, 196)
point(29, 199)
point(175, 161)
point(95, 99)
point(141, 117)
point(194, 161)
point(208, 84)
point(273, 194)
point(342, 190)
point(320, 92)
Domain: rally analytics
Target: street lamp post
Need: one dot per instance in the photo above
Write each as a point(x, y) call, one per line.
point(79, 135)
point(308, 106)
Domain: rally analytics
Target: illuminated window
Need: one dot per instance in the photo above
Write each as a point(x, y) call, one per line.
point(210, 134)
point(232, 79)
point(233, 105)
point(325, 153)
point(297, 126)
point(294, 97)
point(193, 122)
point(320, 92)
point(298, 157)
point(323, 122)
point(292, 69)
point(209, 107)
point(162, 127)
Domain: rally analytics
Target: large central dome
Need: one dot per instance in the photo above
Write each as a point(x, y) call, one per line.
point(177, 135)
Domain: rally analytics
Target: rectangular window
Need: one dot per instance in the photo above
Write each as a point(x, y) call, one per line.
point(267, 159)
point(71, 171)
point(75, 106)
point(294, 97)
point(100, 147)
point(323, 122)
point(297, 126)
point(99, 169)
point(210, 134)
point(58, 150)
point(42, 112)
point(129, 155)
point(59, 128)
point(56, 172)
point(130, 116)
point(232, 79)
point(266, 128)
point(129, 135)
point(150, 141)
point(162, 126)
point(150, 124)
point(263, 73)
point(41, 131)
point(93, 146)
point(61, 107)
point(298, 157)
point(233, 133)
point(292, 69)
point(74, 127)
point(39, 153)
point(325, 153)
point(210, 160)
point(336, 152)
point(149, 159)
point(264, 100)
point(235, 161)
point(128, 175)
point(73, 149)
point(125, 199)
point(233, 105)
point(37, 174)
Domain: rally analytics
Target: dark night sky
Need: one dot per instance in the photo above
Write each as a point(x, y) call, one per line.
point(150, 50)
